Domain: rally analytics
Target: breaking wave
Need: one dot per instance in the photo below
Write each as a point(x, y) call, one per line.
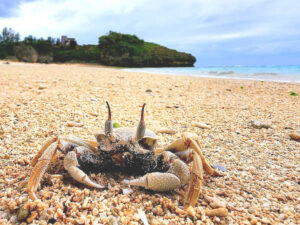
point(262, 73)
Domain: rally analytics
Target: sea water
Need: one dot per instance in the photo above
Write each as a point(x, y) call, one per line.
point(261, 73)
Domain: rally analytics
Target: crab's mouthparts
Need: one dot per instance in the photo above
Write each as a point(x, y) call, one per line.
point(123, 147)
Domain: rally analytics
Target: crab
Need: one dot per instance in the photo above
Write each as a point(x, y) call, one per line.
point(131, 150)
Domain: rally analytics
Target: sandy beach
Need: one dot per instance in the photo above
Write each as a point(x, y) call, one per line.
point(260, 185)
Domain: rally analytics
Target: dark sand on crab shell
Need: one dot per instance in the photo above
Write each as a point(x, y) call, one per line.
point(260, 185)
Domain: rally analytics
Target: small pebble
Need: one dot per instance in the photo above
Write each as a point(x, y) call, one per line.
point(42, 87)
point(191, 211)
point(295, 136)
point(74, 124)
point(266, 221)
point(221, 212)
point(127, 191)
point(166, 131)
point(32, 216)
point(113, 221)
point(260, 125)
point(22, 214)
point(220, 167)
point(215, 202)
point(253, 221)
point(93, 114)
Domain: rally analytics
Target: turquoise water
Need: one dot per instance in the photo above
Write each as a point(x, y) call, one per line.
point(265, 73)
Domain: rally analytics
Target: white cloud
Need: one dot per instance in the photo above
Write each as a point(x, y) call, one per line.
point(185, 25)
point(47, 17)
point(204, 20)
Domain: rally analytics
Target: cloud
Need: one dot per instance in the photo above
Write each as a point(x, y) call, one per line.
point(197, 26)
point(8, 7)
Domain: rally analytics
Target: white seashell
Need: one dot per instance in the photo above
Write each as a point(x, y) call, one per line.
point(202, 125)
point(143, 217)
point(221, 212)
point(74, 124)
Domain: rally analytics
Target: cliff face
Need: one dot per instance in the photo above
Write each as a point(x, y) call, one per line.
point(26, 53)
point(118, 49)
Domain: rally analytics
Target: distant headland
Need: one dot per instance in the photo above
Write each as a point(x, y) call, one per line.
point(113, 49)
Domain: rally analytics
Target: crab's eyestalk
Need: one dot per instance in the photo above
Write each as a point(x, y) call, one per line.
point(108, 123)
point(140, 132)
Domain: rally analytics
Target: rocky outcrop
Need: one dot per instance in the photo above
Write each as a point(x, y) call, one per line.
point(26, 53)
point(45, 58)
point(126, 50)
point(149, 60)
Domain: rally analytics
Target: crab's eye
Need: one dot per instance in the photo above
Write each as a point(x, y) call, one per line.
point(148, 143)
point(108, 123)
point(99, 137)
point(140, 131)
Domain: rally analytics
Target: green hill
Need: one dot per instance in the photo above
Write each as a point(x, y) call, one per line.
point(118, 49)
point(114, 49)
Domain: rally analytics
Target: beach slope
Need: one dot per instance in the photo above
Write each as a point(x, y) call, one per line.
point(261, 182)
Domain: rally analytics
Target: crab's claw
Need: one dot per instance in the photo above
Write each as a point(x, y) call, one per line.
point(156, 181)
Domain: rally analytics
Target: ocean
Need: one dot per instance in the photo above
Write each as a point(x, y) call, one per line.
point(262, 73)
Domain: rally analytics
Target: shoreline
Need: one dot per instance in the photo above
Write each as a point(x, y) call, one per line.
point(225, 73)
point(143, 70)
point(215, 77)
point(38, 101)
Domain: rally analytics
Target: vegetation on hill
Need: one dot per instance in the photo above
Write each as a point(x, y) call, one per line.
point(114, 49)
point(85, 53)
point(128, 50)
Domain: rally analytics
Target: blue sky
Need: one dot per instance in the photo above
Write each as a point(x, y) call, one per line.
point(217, 32)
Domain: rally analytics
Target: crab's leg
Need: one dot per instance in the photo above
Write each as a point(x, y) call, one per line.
point(93, 145)
point(196, 146)
point(176, 146)
point(196, 178)
point(199, 163)
point(87, 143)
point(190, 141)
point(47, 154)
point(77, 141)
point(41, 151)
point(41, 164)
point(71, 165)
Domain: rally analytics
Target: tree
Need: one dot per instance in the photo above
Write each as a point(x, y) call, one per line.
point(9, 36)
point(30, 40)
point(51, 40)
point(73, 44)
point(41, 45)
point(58, 42)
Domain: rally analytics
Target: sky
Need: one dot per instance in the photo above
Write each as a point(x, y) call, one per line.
point(216, 32)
